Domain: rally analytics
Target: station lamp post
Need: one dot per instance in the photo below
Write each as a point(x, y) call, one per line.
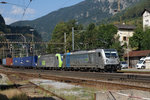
point(32, 47)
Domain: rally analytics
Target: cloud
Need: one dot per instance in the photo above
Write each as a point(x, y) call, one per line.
point(1, 11)
point(18, 11)
point(9, 20)
point(30, 11)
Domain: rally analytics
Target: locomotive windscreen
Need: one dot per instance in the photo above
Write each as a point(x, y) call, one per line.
point(110, 53)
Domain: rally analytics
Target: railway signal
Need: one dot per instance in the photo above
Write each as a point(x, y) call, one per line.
point(31, 49)
point(11, 48)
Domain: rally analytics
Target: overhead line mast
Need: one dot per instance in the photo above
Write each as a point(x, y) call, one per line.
point(119, 10)
point(119, 6)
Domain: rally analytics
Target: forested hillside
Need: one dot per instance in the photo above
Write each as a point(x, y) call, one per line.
point(132, 15)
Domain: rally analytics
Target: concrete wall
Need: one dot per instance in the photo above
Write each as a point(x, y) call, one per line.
point(133, 61)
point(147, 64)
point(124, 33)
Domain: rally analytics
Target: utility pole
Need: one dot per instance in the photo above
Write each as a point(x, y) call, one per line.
point(119, 6)
point(11, 49)
point(128, 50)
point(65, 42)
point(3, 52)
point(119, 9)
point(72, 38)
point(25, 45)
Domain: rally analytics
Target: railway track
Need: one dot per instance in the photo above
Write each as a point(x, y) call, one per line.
point(30, 85)
point(133, 81)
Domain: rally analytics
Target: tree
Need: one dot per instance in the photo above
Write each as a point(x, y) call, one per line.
point(90, 36)
point(136, 41)
point(58, 36)
point(140, 39)
point(116, 45)
point(106, 35)
point(146, 40)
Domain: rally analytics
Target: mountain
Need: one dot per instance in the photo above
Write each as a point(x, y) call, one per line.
point(25, 30)
point(84, 12)
point(132, 15)
point(3, 27)
point(2, 20)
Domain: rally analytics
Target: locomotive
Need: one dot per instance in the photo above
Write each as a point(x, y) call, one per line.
point(99, 59)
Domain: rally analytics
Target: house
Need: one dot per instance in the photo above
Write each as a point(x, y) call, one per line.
point(134, 56)
point(146, 18)
point(124, 32)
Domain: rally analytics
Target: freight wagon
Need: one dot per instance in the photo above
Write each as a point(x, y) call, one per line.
point(4, 61)
point(7, 61)
point(28, 62)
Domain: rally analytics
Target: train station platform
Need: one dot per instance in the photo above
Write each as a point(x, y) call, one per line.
point(134, 70)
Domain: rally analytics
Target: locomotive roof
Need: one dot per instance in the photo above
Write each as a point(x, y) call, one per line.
point(90, 51)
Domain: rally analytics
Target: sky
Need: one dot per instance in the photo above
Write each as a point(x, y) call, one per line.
point(16, 10)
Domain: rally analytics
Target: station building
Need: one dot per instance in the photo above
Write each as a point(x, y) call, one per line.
point(135, 56)
point(125, 32)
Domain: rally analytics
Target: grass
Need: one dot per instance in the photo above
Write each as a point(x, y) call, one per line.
point(9, 82)
point(10, 92)
point(19, 97)
point(15, 97)
point(84, 93)
point(70, 97)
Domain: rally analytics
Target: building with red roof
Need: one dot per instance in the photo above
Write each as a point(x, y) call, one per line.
point(135, 56)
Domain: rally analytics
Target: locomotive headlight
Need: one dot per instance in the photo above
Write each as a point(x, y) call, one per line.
point(118, 60)
point(107, 61)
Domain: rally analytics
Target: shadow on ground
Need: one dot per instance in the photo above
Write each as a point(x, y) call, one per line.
point(42, 98)
point(5, 87)
point(3, 97)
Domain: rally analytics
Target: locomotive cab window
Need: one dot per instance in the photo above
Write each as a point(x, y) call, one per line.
point(99, 54)
point(110, 53)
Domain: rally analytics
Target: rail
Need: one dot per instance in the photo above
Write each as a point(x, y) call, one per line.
point(135, 81)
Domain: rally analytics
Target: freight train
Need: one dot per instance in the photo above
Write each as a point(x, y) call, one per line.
point(93, 60)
